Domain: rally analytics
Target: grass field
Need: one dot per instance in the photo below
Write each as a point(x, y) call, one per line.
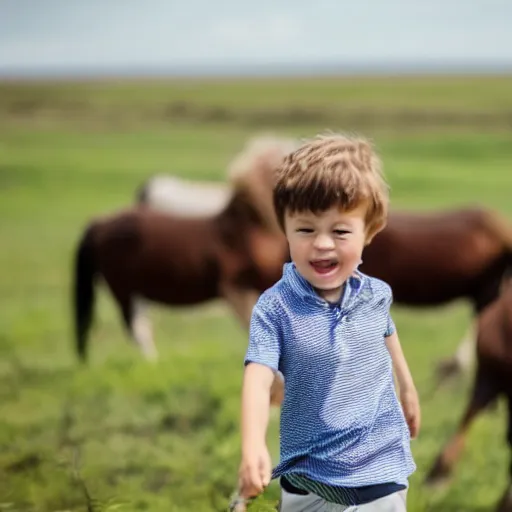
point(122, 434)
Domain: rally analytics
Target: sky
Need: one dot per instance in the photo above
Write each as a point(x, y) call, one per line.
point(216, 36)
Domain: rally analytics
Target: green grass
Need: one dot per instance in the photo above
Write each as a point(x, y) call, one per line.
point(385, 103)
point(472, 92)
point(139, 437)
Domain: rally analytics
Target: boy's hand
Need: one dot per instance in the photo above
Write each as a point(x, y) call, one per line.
point(411, 407)
point(255, 472)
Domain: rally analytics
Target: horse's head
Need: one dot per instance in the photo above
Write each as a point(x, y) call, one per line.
point(252, 175)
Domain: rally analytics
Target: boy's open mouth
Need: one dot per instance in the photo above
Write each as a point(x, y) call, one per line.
point(323, 266)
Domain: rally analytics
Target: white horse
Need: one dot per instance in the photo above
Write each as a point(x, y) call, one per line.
point(172, 194)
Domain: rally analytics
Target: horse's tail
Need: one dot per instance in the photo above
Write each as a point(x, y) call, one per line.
point(83, 291)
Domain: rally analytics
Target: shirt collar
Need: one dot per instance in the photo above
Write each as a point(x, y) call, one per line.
point(303, 288)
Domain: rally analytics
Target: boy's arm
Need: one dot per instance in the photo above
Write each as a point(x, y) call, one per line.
point(257, 382)
point(256, 466)
point(407, 389)
point(261, 364)
point(403, 375)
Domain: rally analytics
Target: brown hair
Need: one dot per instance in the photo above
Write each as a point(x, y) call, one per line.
point(333, 170)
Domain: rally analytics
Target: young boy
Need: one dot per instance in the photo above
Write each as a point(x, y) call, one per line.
point(345, 437)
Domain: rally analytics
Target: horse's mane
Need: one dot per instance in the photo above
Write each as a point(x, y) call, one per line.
point(251, 173)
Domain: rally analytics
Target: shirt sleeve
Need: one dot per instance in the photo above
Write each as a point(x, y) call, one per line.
point(390, 328)
point(264, 336)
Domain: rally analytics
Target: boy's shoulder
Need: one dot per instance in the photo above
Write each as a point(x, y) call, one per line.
point(378, 288)
point(272, 296)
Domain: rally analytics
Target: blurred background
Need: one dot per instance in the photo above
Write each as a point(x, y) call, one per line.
point(95, 98)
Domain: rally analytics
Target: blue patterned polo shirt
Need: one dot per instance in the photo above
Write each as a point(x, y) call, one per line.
point(341, 421)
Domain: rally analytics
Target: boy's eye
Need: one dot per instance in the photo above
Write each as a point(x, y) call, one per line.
point(341, 232)
point(304, 230)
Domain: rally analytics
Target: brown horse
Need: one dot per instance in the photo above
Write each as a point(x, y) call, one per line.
point(182, 260)
point(428, 259)
point(477, 243)
point(493, 378)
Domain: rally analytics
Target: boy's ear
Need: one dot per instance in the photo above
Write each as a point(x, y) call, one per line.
point(374, 230)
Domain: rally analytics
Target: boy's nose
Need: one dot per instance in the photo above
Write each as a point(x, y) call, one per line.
point(324, 242)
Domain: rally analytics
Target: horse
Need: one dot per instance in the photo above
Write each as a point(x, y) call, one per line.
point(428, 259)
point(183, 260)
point(433, 258)
point(492, 379)
point(171, 194)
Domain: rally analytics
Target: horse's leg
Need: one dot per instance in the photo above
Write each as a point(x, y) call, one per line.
point(136, 323)
point(466, 350)
point(141, 329)
point(484, 392)
point(241, 301)
point(505, 504)
point(462, 360)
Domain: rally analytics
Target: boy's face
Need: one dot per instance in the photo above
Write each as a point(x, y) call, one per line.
point(326, 248)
